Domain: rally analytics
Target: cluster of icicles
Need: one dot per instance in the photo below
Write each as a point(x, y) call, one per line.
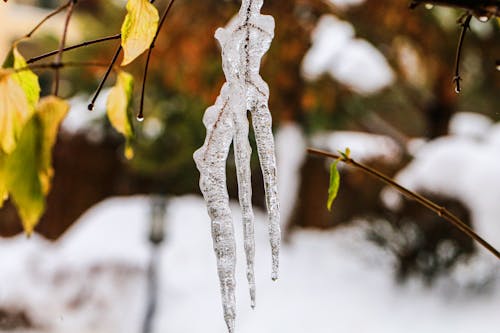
point(244, 41)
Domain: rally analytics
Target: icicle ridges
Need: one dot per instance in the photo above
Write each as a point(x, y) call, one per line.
point(244, 41)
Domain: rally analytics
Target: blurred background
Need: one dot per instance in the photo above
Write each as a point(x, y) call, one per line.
point(125, 246)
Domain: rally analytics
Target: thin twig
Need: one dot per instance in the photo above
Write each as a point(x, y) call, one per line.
point(69, 48)
point(58, 60)
point(439, 210)
point(54, 65)
point(46, 18)
point(478, 8)
point(105, 77)
point(140, 115)
point(465, 26)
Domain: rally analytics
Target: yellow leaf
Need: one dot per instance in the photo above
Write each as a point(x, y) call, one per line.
point(138, 29)
point(14, 110)
point(24, 77)
point(118, 109)
point(22, 180)
point(50, 111)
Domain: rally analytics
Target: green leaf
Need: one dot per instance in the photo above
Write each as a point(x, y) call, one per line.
point(138, 29)
point(118, 109)
point(50, 111)
point(15, 110)
point(26, 173)
point(346, 155)
point(333, 188)
point(25, 78)
point(23, 182)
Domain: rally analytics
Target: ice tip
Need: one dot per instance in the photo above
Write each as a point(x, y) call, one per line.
point(274, 277)
point(90, 107)
point(230, 326)
point(252, 304)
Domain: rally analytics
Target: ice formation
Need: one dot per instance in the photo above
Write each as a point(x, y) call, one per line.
point(244, 41)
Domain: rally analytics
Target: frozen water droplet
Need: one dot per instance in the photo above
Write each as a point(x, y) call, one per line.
point(90, 107)
point(140, 118)
point(457, 90)
point(429, 6)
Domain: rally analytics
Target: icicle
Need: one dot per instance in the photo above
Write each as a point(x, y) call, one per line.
point(244, 41)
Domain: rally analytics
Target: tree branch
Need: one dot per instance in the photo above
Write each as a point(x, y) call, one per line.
point(71, 5)
point(46, 18)
point(103, 80)
point(140, 115)
point(477, 7)
point(55, 65)
point(465, 26)
point(105, 77)
point(69, 48)
point(429, 204)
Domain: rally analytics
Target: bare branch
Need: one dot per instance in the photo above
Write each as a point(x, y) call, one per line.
point(69, 48)
point(101, 85)
point(71, 5)
point(46, 18)
point(429, 204)
point(465, 26)
point(477, 7)
point(140, 115)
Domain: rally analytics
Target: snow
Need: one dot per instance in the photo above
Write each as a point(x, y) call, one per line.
point(363, 146)
point(331, 281)
point(346, 3)
point(81, 120)
point(244, 41)
point(289, 163)
point(463, 166)
point(471, 125)
point(353, 62)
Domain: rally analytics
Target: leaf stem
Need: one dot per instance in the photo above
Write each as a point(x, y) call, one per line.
point(429, 204)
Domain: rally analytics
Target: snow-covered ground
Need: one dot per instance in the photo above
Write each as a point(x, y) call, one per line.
point(93, 280)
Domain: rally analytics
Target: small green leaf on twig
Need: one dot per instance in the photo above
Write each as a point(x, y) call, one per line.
point(333, 189)
point(346, 155)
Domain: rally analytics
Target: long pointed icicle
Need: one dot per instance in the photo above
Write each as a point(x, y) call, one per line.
point(244, 41)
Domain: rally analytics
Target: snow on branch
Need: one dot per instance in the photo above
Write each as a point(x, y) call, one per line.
point(244, 41)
